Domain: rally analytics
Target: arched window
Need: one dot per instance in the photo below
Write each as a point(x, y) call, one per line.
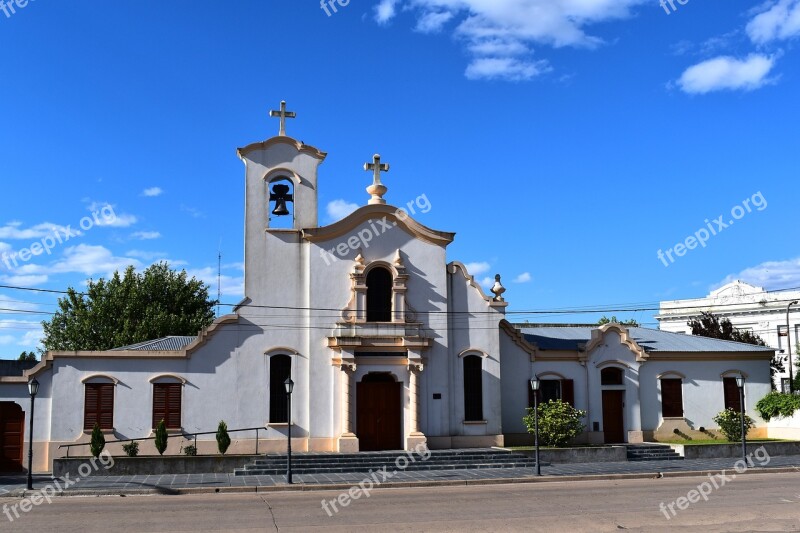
point(280, 369)
point(379, 295)
point(473, 388)
point(611, 376)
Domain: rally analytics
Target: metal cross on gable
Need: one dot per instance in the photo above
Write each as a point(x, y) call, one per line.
point(283, 115)
point(377, 167)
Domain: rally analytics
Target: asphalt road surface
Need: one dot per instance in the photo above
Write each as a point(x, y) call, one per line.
point(763, 502)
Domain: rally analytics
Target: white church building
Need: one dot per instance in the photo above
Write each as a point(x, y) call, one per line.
point(388, 343)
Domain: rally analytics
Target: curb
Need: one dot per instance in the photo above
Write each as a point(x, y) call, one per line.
point(186, 491)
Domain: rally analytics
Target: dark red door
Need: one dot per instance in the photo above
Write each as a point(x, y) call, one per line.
point(613, 419)
point(12, 434)
point(378, 406)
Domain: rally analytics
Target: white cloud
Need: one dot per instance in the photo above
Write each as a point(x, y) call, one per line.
point(385, 11)
point(338, 209)
point(15, 231)
point(193, 211)
point(105, 214)
point(779, 21)
point(525, 277)
point(771, 275)
point(727, 73)
point(432, 22)
point(153, 191)
point(517, 24)
point(478, 268)
point(83, 259)
point(32, 338)
point(505, 68)
point(25, 280)
point(487, 282)
point(5, 340)
point(145, 255)
point(145, 235)
point(232, 286)
point(5, 247)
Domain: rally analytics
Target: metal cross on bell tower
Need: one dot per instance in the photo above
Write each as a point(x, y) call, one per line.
point(283, 115)
point(377, 189)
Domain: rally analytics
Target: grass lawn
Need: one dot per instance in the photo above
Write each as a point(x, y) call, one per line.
point(701, 442)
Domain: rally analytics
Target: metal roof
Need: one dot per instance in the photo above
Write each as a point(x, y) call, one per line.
point(164, 344)
point(652, 340)
point(15, 368)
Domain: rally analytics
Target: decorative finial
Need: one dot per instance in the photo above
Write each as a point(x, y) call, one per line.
point(377, 189)
point(398, 258)
point(360, 258)
point(498, 289)
point(283, 115)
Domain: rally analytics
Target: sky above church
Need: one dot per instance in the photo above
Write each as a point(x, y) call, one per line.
point(600, 155)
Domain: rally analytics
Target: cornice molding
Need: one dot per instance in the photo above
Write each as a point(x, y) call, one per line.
point(282, 139)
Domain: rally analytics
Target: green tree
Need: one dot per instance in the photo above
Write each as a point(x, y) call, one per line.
point(710, 325)
point(27, 356)
point(129, 308)
point(613, 320)
point(223, 439)
point(559, 422)
point(161, 437)
point(98, 441)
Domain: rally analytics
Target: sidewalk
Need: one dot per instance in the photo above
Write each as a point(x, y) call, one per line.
point(14, 486)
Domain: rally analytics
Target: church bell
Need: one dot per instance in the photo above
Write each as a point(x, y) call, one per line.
point(280, 195)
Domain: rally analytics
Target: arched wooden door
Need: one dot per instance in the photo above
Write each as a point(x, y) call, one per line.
point(379, 409)
point(12, 435)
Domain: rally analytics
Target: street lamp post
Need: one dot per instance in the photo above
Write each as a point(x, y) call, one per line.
point(33, 390)
point(740, 384)
point(789, 346)
point(535, 383)
point(289, 387)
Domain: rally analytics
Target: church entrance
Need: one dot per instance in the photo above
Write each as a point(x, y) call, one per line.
point(613, 416)
point(378, 413)
point(12, 426)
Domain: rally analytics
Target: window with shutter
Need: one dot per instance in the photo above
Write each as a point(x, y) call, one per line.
point(98, 405)
point(732, 400)
point(280, 368)
point(473, 388)
point(672, 398)
point(167, 399)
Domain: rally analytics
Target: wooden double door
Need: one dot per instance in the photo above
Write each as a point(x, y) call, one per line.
point(378, 413)
point(12, 435)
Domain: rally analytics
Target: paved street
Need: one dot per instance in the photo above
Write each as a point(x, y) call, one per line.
point(766, 502)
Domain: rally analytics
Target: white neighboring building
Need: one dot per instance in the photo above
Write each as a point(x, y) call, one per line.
point(388, 343)
point(748, 308)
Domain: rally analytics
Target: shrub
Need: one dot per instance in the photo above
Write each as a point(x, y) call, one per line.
point(131, 449)
point(223, 439)
point(777, 405)
point(98, 441)
point(161, 437)
point(559, 423)
point(190, 450)
point(730, 424)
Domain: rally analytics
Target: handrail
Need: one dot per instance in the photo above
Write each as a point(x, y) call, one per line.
point(182, 434)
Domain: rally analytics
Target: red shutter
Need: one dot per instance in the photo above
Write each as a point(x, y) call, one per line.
point(568, 391)
point(671, 398)
point(732, 399)
point(167, 404)
point(98, 405)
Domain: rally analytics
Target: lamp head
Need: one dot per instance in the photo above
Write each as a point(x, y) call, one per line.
point(535, 383)
point(33, 387)
point(289, 385)
point(740, 381)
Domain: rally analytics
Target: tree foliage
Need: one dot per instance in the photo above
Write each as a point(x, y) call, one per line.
point(778, 405)
point(223, 439)
point(98, 441)
point(27, 356)
point(559, 422)
point(161, 437)
point(613, 320)
point(709, 325)
point(129, 308)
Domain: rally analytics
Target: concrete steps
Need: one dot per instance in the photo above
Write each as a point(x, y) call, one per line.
point(325, 463)
point(651, 452)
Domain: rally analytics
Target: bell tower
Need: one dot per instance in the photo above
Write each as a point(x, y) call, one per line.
point(280, 201)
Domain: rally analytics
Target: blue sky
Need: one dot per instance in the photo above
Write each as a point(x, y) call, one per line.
point(565, 142)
